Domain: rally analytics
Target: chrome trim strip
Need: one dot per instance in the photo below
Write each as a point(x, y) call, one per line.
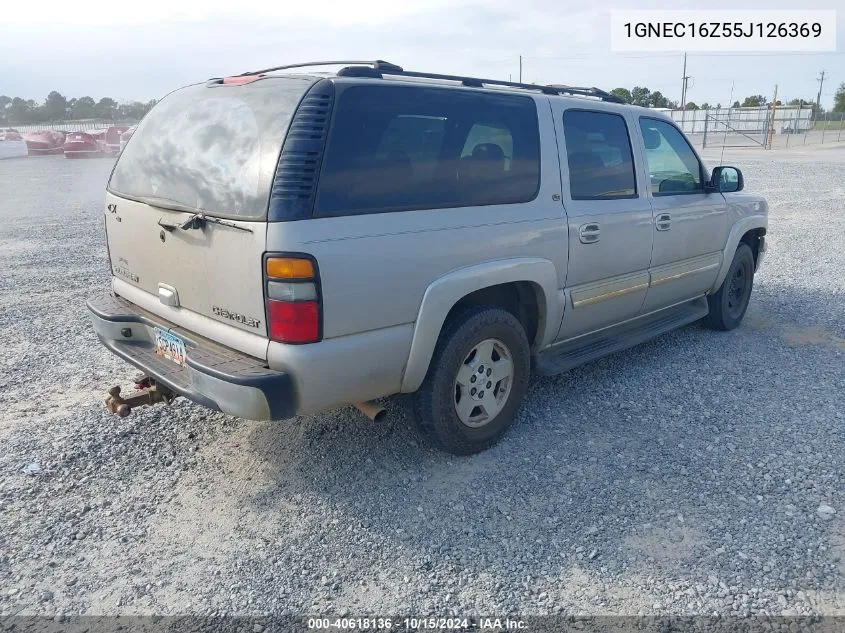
point(608, 295)
point(613, 325)
point(663, 280)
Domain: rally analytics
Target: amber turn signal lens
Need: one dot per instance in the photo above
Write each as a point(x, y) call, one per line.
point(289, 268)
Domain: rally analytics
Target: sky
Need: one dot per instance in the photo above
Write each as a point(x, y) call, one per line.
point(143, 50)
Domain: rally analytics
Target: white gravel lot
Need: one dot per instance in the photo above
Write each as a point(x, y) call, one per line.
point(700, 473)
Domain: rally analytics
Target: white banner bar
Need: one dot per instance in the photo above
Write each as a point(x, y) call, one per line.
point(723, 31)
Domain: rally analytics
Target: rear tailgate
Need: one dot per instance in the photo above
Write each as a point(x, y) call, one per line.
point(214, 271)
point(207, 152)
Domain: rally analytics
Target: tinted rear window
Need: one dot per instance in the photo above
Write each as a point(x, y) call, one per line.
point(598, 152)
point(212, 148)
point(396, 148)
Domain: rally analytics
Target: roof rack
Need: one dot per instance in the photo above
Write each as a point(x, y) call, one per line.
point(377, 65)
point(378, 68)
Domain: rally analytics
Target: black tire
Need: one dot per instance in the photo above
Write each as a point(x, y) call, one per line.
point(729, 303)
point(434, 404)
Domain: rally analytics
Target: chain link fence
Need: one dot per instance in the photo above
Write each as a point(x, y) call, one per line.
point(756, 127)
point(70, 126)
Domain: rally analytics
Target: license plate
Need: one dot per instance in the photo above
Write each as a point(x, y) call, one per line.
point(170, 346)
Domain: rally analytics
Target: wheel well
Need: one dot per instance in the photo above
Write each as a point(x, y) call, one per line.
point(520, 298)
point(752, 238)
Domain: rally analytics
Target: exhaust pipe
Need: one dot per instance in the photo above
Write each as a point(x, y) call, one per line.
point(371, 409)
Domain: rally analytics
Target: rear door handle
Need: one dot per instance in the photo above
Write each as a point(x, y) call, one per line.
point(167, 295)
point(663, 222)
point(589, 233)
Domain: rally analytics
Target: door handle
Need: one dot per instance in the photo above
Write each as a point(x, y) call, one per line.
point(167, 295)
point(589, 233)
point(663, 222)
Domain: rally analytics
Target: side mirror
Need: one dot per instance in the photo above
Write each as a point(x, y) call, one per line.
point(726, 179)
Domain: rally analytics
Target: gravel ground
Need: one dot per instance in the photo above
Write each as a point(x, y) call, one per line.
point(700, 473)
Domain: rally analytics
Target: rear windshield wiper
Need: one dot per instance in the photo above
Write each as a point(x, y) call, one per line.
point(196, 221)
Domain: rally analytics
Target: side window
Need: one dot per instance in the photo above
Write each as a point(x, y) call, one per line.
point(598, 151)
point(497, 134)
point(400, 148)
point(420, 138)
point(672, 165)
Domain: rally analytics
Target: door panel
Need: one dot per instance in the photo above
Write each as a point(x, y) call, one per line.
point(690, 226)
point(610, 220)
point(695, 275)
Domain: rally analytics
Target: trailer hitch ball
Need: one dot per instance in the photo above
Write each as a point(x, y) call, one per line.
point(116, 404)
point(148, 394)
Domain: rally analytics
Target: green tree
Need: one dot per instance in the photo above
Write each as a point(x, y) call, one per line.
point(736, 104)
point(55, 106)
point(754, 101)
point(622, 93)
point(83, 108)
point(691, 106)
point(5, 102)
point(640, 96)
point(839, 99)
point(705, 106)
point(106, 108)
point(657, 100)
point(21, 110)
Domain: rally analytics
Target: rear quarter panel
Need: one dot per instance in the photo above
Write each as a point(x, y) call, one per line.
point(375, 269)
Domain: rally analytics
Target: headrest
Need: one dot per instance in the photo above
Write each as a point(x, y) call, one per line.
point(488, 151)
point(651, 138)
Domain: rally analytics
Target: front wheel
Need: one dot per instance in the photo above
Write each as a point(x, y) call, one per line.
point(475, 383)
point(729, 303)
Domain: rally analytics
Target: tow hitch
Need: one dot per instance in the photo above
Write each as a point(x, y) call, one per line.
point(147, 393)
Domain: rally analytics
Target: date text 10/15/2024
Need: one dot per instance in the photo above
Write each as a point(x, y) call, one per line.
point(417, 624)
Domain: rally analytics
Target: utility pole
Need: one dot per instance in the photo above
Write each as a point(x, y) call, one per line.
point(819, 96)
point(771, 131)
point(684, 80)
point(520, 71)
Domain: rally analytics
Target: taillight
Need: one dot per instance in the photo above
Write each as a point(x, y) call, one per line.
point(292, 291)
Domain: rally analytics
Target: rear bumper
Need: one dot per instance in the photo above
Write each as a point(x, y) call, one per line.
point(214, 376)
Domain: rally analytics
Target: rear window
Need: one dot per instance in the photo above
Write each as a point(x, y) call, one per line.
point(398, 148)
point(212, 148)
point(598, 152)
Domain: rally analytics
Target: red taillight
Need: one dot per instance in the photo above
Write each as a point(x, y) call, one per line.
point(294, 321)
point(292, 292)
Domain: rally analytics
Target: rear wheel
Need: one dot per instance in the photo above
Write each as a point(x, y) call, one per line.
point(475, 382)
point(729, 303)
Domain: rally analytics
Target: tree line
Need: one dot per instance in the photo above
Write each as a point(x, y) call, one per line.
point(644, 97)
point(57, 107)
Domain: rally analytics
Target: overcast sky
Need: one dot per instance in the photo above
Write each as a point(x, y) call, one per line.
point(142, 50)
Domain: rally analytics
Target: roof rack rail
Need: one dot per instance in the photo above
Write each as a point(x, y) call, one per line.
point(477, 82)
point(377, 64)
point(592, 92)
point(378, 68)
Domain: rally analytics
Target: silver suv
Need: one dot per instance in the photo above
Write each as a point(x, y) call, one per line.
point(283, 242)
